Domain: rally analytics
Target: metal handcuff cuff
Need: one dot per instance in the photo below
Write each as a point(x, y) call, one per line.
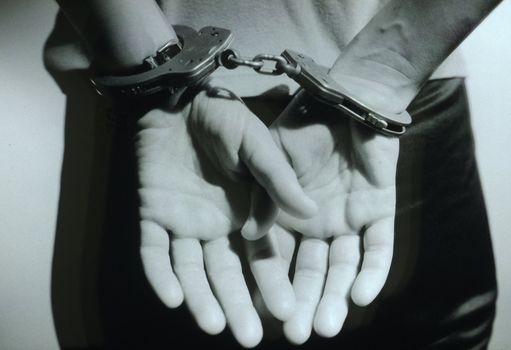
point(201, 53)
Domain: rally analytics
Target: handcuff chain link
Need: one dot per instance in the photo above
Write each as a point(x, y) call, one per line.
point(231, 59)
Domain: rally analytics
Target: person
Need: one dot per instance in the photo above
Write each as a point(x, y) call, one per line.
point(334, 180)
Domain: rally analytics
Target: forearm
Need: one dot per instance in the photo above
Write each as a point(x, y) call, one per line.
point(405, 42)
point(119, 33)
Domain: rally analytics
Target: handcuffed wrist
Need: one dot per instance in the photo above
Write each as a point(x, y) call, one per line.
point(206, 50)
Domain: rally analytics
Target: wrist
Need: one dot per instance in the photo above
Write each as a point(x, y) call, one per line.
point(125, 33)
point(129, 56)
point(381, 88)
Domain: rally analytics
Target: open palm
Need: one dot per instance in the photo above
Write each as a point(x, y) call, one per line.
point(196, 171)
point(349, 171)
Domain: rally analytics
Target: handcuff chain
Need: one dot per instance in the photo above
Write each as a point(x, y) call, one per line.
point(231, 59)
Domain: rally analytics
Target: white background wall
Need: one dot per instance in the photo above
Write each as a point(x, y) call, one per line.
point(488, 55)
point(31, 148)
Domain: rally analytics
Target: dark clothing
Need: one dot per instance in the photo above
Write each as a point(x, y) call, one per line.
point(441, 290)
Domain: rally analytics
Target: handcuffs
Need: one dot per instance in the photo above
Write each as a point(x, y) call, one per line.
point(200, 53)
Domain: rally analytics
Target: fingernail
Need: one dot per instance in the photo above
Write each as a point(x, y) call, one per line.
point(251, 231)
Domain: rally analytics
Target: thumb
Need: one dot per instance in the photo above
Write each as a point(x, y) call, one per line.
point(272, 171)
point(263, 214)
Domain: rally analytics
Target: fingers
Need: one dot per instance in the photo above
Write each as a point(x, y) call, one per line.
point(263, 214)
point(378, 249)
point(271, 169)
point(270, 270)
point(154, 251)
point(332, 310)
point(224, 270)
point(311, 265)
point(286, 242)
point(189, 266)
point(249, 140)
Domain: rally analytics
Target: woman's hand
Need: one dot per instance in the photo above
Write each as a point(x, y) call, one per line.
point(197, 168)
point(349, 171)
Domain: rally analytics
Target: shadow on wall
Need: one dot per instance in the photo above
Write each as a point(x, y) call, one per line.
point(82, 197)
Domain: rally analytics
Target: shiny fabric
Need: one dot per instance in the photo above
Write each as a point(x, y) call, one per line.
point(441, 290)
